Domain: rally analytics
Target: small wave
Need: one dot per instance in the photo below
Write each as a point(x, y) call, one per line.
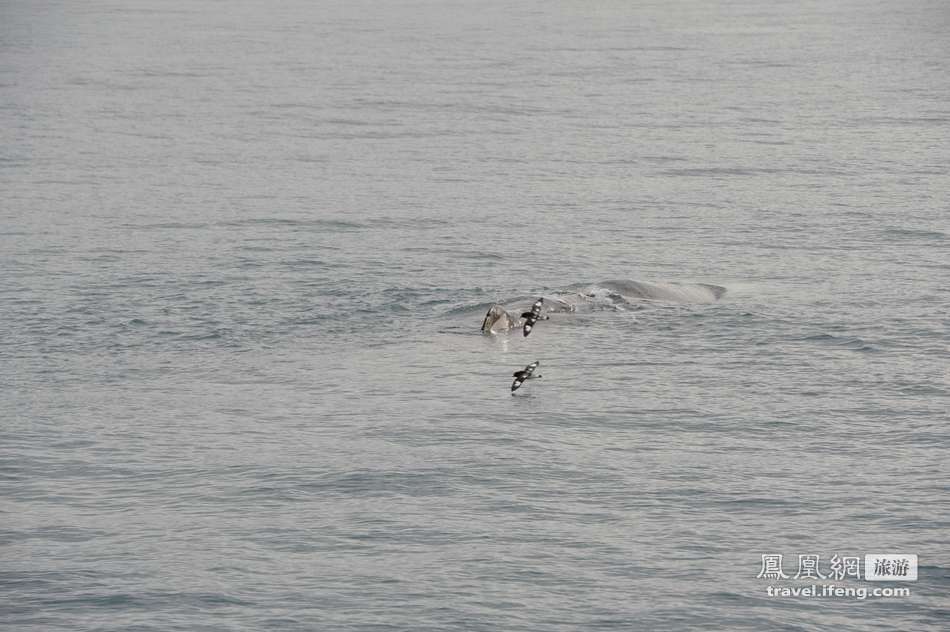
point(925, 389)
point(168, 226)
point(714, 172)
point(56, 533)
point(336, 225)
point(852, 343)
point(475, 255)
point(307, 262)
point(414, 223)
point(915, 233)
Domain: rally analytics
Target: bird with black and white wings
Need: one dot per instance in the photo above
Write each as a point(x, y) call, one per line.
point(525, 374)
point(532, 317)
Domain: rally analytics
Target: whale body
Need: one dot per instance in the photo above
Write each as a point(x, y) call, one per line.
point(666, 292)
point(614, 293)
point(497, 319)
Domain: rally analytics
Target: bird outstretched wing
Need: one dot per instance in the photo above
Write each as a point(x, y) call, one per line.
point(525, 374)
point(533, 316)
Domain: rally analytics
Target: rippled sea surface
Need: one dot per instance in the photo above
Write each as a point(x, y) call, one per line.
point(247, 247)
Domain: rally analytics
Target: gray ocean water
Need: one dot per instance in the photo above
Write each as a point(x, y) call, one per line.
point(246, 249)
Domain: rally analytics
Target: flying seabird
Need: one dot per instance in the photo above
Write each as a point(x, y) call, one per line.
point(533, 316)
point(526, 374)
